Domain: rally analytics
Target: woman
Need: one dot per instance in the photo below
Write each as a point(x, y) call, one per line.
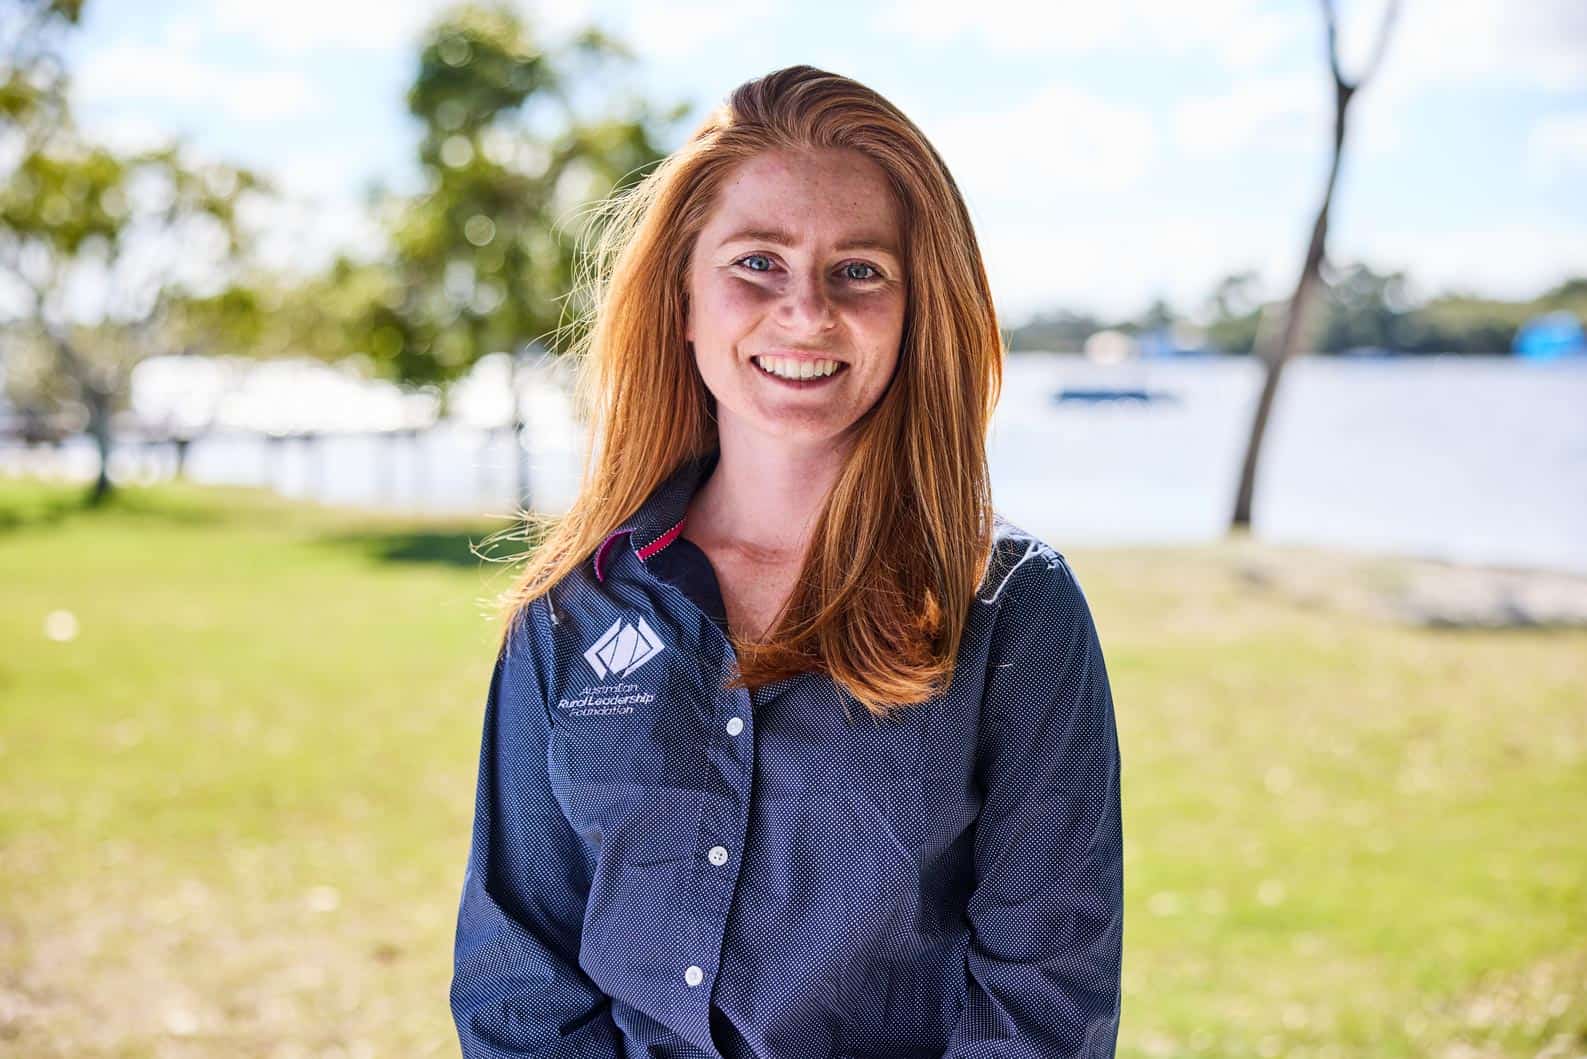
point(688, 840)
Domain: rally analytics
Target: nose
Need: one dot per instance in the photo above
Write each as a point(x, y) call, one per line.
point(806, 305)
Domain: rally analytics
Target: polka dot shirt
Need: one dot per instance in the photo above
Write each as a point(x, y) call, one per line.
point(663, 869)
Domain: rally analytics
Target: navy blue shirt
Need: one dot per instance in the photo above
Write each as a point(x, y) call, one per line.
point(664, 869)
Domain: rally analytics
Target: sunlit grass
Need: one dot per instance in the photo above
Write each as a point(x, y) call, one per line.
point(237, 767)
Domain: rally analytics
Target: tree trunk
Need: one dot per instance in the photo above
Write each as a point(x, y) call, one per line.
point(1276, 353)
point(99, 428)
point(99, 394)
point(1274, 359)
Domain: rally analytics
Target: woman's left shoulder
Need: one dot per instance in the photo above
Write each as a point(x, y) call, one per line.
point(1026, 571)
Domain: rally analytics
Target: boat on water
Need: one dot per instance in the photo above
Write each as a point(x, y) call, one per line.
point(1098, 394)
point(1115, 369)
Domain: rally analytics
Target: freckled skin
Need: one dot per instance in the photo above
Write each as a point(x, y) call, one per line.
point(748, 297)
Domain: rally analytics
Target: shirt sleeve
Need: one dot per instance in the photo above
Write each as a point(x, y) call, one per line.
point(1046, 912)
point(517, 988)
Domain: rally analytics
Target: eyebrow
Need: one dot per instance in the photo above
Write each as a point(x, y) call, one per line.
point(782, 238)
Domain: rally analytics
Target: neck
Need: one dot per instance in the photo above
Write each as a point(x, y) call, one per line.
point(764, 495)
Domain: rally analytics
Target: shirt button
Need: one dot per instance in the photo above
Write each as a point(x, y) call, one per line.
point(694, 976)
point(718, 855)
point(735, 726)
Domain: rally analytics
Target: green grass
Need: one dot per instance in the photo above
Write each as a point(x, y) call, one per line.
point(234, 807)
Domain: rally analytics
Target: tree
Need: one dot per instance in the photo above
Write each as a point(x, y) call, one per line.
point(1278, 346)
point(1056, 331)
point(32, 74)
point(476, 264)
point(102, 250)
point(1362, 308)
point(1233, 311)
point(32, 91)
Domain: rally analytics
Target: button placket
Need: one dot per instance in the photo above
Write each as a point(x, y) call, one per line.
point(723, 819)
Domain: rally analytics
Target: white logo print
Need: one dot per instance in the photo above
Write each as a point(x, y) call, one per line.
point(623, 648)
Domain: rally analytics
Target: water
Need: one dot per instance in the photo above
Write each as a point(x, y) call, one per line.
point(1469, 459)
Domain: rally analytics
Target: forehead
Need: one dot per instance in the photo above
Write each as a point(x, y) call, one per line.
point(820, 196)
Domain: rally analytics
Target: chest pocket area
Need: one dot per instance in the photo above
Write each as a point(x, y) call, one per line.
point(626, 751)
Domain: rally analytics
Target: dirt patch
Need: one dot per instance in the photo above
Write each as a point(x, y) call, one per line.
point(1422, 592)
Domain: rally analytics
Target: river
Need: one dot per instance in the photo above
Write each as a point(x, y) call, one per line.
point(1471, 459)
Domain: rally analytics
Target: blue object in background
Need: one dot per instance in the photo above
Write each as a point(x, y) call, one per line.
point(1555, 334)
point(1163, 342)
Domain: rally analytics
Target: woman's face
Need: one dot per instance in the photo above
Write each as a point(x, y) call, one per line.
point(801, 261)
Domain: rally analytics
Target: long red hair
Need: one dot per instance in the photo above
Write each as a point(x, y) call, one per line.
point(904, 539)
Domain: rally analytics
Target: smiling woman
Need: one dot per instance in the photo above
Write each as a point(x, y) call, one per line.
point(799, 276)
point(794, 747)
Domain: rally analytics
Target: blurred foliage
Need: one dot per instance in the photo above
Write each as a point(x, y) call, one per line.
point(477, 263)
point(107, 249)
point(481, 260)
point(104, 248)
point(1359, 309)
point(1060, 329)
point(32, 75)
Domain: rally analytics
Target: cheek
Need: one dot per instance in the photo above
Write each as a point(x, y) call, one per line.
point(880, 323)
point(726, 304)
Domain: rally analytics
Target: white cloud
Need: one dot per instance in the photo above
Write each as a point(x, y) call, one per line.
point(124, 73)
point(1503, 260)
point(1115, 265)
point(1556, 146)
point(1286, 112)
point(1236, 32)
point(125, 132)
point(299, 26)
point(686, 27)
point(1060, 140)
point(1540, 44)
point(323, 174)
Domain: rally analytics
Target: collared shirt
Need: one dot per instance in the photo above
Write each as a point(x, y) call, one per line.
point(664, 869)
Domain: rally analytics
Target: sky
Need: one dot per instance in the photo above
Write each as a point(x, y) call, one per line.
point(1110, 153)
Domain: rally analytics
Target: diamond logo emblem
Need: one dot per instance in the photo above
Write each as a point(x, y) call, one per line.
point(623, 648)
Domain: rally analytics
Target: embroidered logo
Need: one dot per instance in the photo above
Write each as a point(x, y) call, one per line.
point(623, 648)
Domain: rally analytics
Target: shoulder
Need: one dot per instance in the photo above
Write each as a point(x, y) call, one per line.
point(528, 642)
point(1021, 564)
point(1043, 645)
point(1032, 593)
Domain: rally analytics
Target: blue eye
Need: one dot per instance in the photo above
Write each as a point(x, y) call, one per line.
point(754, 257)
point(861, 264)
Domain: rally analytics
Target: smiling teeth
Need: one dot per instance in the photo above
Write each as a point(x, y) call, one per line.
point(789, 368)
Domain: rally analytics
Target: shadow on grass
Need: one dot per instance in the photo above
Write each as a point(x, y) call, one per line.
point(28, 506)
point(16, 516)
point(460, 548)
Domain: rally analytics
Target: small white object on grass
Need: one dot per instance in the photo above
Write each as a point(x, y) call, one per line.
point(60, 626)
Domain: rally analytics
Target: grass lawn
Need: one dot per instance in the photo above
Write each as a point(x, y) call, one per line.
point(235, 802)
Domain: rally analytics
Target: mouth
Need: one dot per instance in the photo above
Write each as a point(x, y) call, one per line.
point(799, 374)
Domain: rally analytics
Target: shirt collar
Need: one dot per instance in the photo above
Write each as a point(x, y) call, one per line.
point(659, 520)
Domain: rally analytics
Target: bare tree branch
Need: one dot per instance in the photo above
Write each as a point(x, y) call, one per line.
point(1332, 23)
point(1391, 12)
